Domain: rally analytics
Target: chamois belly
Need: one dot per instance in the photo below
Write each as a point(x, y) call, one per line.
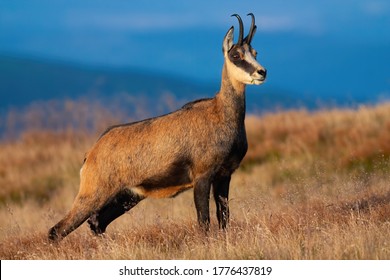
point(169, 182)
point(165, 192)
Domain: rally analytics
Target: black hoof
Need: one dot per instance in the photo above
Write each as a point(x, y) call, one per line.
point(94, 225)
point(53, 235)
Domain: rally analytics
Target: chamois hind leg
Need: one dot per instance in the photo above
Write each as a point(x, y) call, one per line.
point(85, 204)
point(221, 197)
point(202, 199)
point(82, 208)
point(121, 203)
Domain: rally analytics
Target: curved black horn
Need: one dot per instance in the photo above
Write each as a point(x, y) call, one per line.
point(241, 35)
point(252, 31)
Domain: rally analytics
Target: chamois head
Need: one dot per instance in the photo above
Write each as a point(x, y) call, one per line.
point(240, 58)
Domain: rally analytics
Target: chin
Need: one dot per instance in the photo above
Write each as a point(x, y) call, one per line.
point(257, 82)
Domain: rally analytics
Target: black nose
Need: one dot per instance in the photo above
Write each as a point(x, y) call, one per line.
point(262, 72)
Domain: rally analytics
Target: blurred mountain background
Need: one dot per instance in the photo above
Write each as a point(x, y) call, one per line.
point(157, 55)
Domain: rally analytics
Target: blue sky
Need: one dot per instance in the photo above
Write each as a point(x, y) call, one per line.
point(311, 47)
point(143, 15)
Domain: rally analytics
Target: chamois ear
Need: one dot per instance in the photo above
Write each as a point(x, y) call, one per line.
point(228, 40)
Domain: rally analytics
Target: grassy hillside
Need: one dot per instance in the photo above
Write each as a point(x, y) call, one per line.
point(312, 186)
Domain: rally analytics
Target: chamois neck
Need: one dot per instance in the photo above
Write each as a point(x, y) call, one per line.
point(229, 83)
point(232, 97)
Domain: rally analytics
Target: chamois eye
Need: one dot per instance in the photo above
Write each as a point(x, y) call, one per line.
point(236, 56)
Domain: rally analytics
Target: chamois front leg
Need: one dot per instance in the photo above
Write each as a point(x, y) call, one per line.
point(221, 197)
point(120, 204)
point(202, 199)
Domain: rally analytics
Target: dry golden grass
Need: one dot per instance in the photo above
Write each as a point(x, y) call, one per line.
point(346, 137)
point(313, 186)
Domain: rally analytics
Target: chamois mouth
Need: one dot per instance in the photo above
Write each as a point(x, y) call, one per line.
point(259, 77)
point(258, 81)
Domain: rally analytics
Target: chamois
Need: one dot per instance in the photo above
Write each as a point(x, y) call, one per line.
point(197, 146)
